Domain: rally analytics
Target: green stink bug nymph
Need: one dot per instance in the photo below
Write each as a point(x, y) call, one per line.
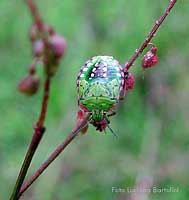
point(99, 84)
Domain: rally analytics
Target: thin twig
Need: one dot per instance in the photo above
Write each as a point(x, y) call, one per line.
point(44, 103)
point(35, 14)
point(127, 66)
point(150, 36)
point(39, 128)
point(55, 154)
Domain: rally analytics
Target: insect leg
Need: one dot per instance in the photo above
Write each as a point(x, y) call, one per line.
point(111, 130)
point(111, 114)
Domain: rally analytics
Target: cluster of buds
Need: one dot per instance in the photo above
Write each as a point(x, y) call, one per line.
point(48, 47)
point(150, 59)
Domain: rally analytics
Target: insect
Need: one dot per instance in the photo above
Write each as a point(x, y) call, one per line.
point(100, 84)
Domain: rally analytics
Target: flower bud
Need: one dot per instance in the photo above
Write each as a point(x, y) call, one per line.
point(150, 59)
point(130, 81)
point(34, 34)
point(29, 85)
point(80, 116)
point(153, 49)
point(57, 44)
point(38, 48)
point(56, 48)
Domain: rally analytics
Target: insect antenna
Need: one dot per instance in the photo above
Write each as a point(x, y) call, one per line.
point(112, 131)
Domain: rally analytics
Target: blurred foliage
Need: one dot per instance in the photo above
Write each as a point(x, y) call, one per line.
point(152, 122)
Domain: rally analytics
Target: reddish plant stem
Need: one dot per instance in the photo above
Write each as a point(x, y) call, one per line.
point(38, 21)
point(44, 103)
point(39, 129)
point(55, 154)
point(150, 36)
point(35, 14)
point(71, 136)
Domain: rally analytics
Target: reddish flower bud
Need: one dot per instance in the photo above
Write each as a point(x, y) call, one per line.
point(29, 85)
point(38, 48)
point(34, 34)
point(130, 82)
point(153, 49)
point(150, 59)
point(57, 44)
point(80, 116)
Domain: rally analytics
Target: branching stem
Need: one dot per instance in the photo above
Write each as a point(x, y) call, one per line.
point(150, 36)
point(35, 14)
point(55, 154)
point(39, 128)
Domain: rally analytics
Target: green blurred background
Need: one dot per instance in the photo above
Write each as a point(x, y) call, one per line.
point(152, 123)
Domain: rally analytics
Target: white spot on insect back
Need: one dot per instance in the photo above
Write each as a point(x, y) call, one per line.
point(92, 75)
point(105, 69)
point(82, 75)
point(94, 69)
point(88, 64)
point(85, 69)
point(115, 62)
point(96, 65)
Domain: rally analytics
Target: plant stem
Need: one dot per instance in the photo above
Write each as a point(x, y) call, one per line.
point(35, 14)
point(39, 129)
point(150, 36)
point(55, 154)
point(44, 103)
